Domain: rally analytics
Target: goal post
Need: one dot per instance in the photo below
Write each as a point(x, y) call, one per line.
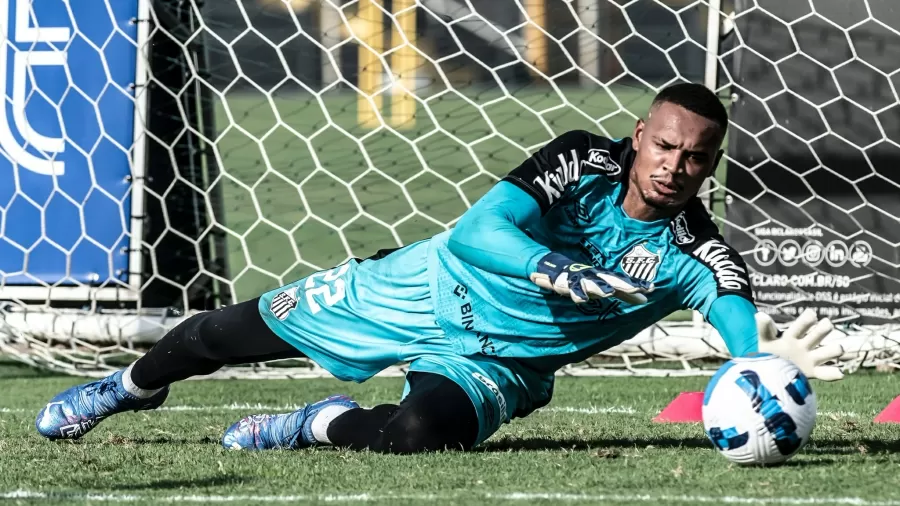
point(166, 157)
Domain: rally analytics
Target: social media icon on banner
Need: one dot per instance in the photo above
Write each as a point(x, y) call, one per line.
point(813, 253)
point(836, 253)
point(765, 253)
point(789, 252)
point(860, 254)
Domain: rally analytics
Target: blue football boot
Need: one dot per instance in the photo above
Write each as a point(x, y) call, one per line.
point(288, 431)
point(74, 412)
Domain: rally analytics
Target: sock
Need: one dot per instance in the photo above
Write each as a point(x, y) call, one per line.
point(323, 419)
point(133, 389)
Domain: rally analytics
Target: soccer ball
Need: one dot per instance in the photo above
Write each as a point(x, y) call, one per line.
point(759, 410)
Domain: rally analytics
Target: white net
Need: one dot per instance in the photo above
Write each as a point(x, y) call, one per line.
point(275, 138)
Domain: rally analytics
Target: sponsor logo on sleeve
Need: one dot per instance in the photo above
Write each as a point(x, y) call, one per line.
point(553, 182)
point(717, 256)
point(600, 159)
point(680, 228)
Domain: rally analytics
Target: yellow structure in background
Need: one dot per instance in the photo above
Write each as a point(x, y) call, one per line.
point(404, 62)
point(370, 23)
point(370, 27)
point(536, 45)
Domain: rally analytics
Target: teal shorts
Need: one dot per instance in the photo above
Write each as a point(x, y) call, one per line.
point(360, 318)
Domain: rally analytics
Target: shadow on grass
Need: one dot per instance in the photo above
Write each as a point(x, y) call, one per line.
point(861, 446)
point(510, 444)
point(123, 441)
point(187, 483)
point(609, 448)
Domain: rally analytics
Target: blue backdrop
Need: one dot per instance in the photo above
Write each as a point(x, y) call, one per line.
point(66, 130)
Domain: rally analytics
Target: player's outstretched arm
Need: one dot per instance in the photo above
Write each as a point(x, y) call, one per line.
point(732, 317)
point(491, 236)
point(746, 331)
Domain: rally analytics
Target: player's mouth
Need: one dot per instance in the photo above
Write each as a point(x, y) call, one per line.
point(667, 188)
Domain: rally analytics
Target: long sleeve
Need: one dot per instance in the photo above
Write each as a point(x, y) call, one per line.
point(491, 234)
point(733, 317)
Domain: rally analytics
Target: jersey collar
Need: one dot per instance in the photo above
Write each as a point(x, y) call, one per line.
point(630, 224)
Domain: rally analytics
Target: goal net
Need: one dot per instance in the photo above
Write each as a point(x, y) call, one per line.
point(167, 157)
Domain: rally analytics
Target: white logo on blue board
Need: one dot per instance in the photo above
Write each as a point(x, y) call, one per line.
point(30, 48)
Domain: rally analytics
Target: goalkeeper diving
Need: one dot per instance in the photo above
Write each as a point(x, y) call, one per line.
point(586, 243)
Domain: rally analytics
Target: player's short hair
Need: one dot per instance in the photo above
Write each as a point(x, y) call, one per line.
point(695, 98)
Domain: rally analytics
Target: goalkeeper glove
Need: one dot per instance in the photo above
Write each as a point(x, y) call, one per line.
point(582, 282)
point(800, 344)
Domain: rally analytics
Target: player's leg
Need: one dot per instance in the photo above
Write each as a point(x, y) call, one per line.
point(206, 342)
point(200, 345)
point(452, 402)
point(437, 414)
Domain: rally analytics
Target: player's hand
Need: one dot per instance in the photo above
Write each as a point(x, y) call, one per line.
point(800, 344)
point(582, 282)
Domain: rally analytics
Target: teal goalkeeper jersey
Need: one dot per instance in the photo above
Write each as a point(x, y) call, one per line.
point(567, 198)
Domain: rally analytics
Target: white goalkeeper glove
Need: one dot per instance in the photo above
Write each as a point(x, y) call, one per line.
point(800, 344)
point(582, 282)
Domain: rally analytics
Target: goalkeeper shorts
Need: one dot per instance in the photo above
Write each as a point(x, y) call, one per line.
point(364, 316)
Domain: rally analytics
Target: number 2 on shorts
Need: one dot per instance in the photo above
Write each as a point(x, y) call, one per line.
point(330, 297)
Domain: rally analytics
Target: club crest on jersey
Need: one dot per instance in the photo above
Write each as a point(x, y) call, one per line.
point(283, 303)
point(680, 229)
point(600, 159)
point(640, 263)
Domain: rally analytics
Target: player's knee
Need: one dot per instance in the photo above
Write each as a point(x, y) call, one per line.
point(199, 335)
point(411, 432)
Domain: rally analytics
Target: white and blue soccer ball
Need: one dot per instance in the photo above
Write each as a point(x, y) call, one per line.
point(759, 410)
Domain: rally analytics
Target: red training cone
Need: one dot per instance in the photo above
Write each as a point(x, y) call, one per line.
point(890, 414)
point(686, 408)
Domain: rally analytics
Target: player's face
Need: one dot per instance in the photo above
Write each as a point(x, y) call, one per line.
point(676, 150)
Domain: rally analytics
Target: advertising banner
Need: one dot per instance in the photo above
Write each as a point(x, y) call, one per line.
point(813, 177)
point(67, 73)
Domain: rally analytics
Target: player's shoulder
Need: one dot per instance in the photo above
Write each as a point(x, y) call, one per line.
point(595, 154)
point(696, 235)
point(566, 161)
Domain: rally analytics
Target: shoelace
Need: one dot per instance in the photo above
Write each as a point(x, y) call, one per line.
point(96, 392)
point(290, 441)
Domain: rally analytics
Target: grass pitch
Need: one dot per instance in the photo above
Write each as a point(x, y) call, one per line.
point(594, 444)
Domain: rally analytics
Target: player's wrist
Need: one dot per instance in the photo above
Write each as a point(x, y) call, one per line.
point(548, 272)
point(553, 263)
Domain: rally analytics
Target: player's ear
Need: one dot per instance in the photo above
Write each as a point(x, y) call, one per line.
point(636, 135)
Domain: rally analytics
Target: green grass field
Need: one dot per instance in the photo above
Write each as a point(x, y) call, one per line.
point(305, 187)
point(594, 444)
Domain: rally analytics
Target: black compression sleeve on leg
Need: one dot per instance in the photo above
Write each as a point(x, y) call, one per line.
point(436, 415)
point(205, 342)
point(358, 428)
